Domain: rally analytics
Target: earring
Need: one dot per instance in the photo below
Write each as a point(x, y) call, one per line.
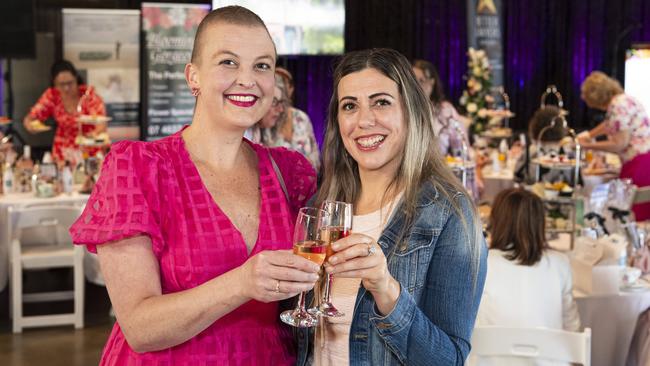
point(196, 92)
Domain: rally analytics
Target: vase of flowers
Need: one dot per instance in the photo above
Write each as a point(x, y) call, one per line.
point(476, 97)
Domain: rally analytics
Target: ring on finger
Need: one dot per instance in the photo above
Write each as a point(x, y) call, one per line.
point(371, 250)
point(277, 286)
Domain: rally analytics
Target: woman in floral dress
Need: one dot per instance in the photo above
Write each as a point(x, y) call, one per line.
point(627, 128)
point(293, 128)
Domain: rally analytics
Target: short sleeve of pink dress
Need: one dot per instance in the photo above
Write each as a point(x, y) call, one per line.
point(154, 189)
point(124, 202)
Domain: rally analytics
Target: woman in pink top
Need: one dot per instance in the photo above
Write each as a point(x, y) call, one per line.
point(192, 231)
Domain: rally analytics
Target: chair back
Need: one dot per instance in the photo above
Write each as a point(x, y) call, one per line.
point(532, 343)
point(41, 216)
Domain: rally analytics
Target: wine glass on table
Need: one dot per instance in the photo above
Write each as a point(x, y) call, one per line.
point(307, 243)
point(338, 227)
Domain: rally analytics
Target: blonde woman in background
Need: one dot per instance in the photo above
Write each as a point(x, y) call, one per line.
point(294, 129)
point(626, 126)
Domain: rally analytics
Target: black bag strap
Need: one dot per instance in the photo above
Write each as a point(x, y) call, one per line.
point(279, 175)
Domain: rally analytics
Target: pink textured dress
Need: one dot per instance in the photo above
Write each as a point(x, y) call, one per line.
point(154, 189)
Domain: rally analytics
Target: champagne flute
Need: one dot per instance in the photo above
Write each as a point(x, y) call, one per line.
point(338, 227)
point(307, 244)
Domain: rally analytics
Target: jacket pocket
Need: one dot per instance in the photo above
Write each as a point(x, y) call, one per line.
point(410, 260)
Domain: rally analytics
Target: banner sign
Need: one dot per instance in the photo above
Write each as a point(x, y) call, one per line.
point(104, 45)
point(485, 32)
point(169, 31)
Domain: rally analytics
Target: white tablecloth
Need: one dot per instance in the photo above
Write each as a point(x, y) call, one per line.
point(21, 200)
point(496, 181)
point(612, 319)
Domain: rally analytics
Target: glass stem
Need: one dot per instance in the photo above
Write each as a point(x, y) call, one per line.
point(301, 302)
point(328, 284)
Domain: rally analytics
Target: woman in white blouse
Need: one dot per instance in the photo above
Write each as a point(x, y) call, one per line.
point(528, 284)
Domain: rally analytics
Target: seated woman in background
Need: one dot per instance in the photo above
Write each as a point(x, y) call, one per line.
point(528, 284)
point(626, 126)
point(293, 128)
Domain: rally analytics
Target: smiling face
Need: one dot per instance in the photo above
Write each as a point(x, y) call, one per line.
point(371, 120)
point(235, 75)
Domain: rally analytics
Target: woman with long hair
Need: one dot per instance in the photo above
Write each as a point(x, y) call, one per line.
point(410, 276)
point(448, 125)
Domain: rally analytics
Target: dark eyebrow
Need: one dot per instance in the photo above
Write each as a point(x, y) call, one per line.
point(380, 94)
point(348, 97)
point(372, 96)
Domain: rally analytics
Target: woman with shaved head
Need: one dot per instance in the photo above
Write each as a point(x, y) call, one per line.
point(193, 247)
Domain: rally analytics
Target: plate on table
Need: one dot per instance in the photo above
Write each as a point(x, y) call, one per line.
point(639, 286)
point(498, 132)
point(555, 163)
point(93, 119)
point(89, 141)
point(39, 126)
point(458, 163)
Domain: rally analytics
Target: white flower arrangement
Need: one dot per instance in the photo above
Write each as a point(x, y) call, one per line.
point(475, 99)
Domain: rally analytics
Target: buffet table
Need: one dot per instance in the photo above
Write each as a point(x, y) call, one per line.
point(496, 181)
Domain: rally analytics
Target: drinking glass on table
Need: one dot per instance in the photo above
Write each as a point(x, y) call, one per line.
point(307, 243)
point(338, 227)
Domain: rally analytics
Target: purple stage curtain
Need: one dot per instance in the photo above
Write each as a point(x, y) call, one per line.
point(560, 42)
point(545, 42)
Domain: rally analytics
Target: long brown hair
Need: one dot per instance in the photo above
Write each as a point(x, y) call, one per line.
point(517, 226)
point(421, 161)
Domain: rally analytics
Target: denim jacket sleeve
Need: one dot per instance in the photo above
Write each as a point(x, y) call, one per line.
point(437, 331)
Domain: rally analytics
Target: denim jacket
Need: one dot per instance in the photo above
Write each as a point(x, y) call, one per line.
point(441, 285)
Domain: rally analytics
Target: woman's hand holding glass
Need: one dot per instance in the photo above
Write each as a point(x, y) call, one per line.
point(359, 256)
point(339, 226)
point(276, 275)
point(308, 244)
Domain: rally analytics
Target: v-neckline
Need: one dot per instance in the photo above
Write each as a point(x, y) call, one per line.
point(187, 155)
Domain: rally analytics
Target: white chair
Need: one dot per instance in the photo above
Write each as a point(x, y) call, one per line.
point(54, 254)
point(532, 344)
